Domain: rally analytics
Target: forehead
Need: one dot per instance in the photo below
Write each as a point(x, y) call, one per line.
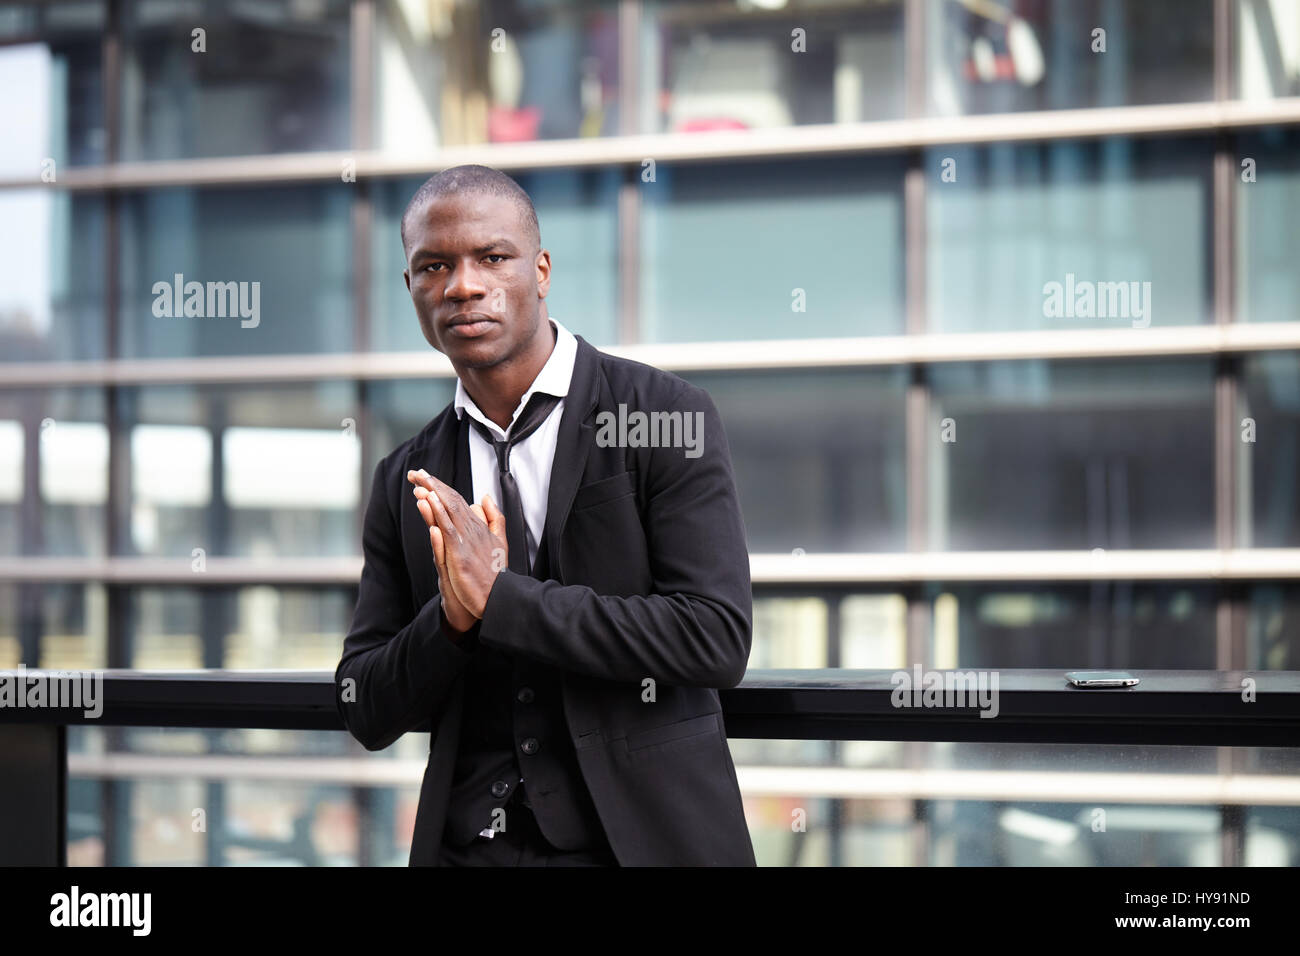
point(465, 215)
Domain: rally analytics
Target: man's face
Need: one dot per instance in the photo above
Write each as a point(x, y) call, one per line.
point(474, 278)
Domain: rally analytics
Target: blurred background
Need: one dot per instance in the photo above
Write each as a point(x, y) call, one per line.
point(837, 217)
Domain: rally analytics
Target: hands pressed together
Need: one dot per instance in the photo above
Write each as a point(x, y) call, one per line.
point(469, 547)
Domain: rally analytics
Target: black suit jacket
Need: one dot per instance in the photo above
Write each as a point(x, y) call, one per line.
point(650, 580)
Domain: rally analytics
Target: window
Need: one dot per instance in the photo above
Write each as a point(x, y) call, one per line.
point(818, 456)
point(236, 271)
point(719, 66)
point(1071, 455)
point(220, 79)
point(743, 250)
point(1071, 235)
point(1044, 56)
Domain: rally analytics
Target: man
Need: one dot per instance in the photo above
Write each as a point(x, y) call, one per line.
point(565, 645)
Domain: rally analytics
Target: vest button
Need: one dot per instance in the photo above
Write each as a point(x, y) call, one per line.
point(529, 745)
point(499, 788)
point(525, 695)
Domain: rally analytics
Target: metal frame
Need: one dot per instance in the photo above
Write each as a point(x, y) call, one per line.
point(837, 782)
point(801, 141)
point(766, 569)
point(1195, 708)
point(914, 350)
point(1168, 707)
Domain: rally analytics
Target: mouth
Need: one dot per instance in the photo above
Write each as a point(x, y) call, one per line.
point(470, 324)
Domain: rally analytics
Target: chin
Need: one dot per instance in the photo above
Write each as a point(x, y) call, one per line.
point(476, 355)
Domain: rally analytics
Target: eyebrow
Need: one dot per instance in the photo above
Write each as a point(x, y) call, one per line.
point(501, 244)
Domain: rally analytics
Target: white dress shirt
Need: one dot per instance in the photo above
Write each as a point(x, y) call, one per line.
point(531, 459)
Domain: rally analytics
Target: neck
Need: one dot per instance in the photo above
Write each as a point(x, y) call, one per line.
point(497, 390)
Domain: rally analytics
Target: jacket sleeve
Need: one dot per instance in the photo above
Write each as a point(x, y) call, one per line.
point(695, 627)
point(399, 662)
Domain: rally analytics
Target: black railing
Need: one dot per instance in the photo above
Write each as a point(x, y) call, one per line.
point(1201, 708)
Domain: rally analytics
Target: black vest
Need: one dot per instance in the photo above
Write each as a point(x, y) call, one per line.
point(513, 726)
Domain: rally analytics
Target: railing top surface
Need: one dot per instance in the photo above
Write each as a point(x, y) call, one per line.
point(1213, 708)
point(1016, 680)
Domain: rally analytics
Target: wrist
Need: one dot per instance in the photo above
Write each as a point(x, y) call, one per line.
point(453, 633)
point(482, 613)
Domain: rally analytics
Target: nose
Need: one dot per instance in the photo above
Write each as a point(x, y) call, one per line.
point(465, 283)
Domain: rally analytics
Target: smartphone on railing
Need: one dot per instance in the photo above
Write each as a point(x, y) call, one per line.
point(1101, 678)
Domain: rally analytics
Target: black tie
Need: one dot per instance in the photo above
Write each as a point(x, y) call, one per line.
point(534, 413)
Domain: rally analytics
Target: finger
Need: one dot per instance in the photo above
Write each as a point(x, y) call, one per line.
point(455, 518)
point(426, 512)
point(496, 520)
point(420, 479)
point(442, 518)
point(451, 499)
point(440, 562)
point(439, 551)
point(478, 513)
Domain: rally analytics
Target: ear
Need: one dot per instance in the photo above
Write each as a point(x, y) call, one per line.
point(543, 273)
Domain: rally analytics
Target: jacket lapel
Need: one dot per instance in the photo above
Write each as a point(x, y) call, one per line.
point(571, 449)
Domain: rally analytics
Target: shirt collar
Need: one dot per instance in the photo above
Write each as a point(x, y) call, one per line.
point(553, 379)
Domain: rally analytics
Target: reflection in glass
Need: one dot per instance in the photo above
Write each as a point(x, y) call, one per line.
point(1273, 626)
point(226, 79)
point(270, 818)
point(51, 91)
point(13, 450)
point(873, 631)
point(747, 250)
point(1105, 624)
point(725, 66)
point(993, 56)
point(1072, 455)
point(54, 626)
point(1070, 235)
point(399, 410)
point(53, 472)
point(789, 633)
point(951, 804)
point(171, 474)
point(792, 631)
point(1267, 36)
point(1268, 207)
point(1268, 425)
point(74, 481)
point(238, 628)
point(12, 648)
point(818, 456)
point(286, 460)
point(976, 833)
point(236, 271)
point(498, 71)
point(51, 276)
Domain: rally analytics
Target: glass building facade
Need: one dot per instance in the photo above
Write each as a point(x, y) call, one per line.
point(998, 301)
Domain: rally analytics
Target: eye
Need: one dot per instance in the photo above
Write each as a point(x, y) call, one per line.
point(495, 255)
point(431, 265)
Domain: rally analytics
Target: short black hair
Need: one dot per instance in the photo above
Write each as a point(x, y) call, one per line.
point(472, 178)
